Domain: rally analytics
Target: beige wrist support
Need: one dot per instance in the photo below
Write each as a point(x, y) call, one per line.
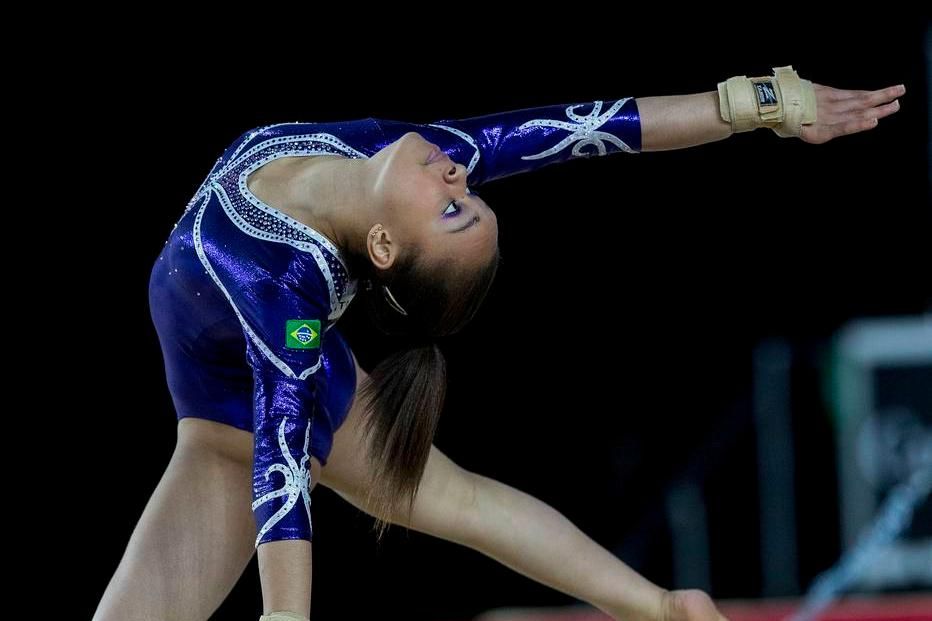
point(283, 615)
point(783, 102)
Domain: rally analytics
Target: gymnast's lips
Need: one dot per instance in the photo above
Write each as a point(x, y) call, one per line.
point(435, 155)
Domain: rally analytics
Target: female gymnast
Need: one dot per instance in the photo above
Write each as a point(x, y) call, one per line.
point(291, 220)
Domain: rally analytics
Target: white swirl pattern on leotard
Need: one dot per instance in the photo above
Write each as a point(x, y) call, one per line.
point(584, 130)
point(297, 482)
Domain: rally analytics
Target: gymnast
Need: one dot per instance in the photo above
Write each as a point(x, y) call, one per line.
point(292, 221)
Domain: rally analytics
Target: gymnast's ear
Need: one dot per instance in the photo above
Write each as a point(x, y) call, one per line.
point(381, 249)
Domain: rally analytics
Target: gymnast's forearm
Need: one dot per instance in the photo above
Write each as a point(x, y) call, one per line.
point(532, 538)
point(285, 575)
point(680, 121)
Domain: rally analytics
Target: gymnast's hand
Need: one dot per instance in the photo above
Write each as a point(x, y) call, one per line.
point(841, 112)
point(689, 605)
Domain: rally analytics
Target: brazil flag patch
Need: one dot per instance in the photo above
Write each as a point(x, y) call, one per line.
point(302, 334)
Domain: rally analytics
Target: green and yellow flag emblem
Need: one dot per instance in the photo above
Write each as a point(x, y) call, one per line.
point(302, 334)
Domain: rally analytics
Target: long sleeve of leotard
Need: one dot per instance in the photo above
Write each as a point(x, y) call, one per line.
point(287, 315)
point(498, 145)
point(283, 300)
point(491, 146)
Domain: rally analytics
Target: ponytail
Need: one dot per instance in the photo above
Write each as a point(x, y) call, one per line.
point(404, 394)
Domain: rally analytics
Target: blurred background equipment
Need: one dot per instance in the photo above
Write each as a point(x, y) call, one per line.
point(883, 406)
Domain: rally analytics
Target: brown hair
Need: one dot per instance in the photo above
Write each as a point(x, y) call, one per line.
point(404, 394)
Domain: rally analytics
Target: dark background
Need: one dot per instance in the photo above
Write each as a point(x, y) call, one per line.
point(613, 356)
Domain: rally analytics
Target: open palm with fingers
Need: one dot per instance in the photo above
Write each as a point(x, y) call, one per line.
point(841, 112)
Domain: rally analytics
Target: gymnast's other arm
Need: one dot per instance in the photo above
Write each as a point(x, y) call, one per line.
point(516, 529)
point(498, 145)
point(680, 121)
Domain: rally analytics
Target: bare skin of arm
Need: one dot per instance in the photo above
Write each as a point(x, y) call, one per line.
point(285, 575)
point(681, 121)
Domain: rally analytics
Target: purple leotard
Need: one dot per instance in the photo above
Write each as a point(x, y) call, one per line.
point(244, 298)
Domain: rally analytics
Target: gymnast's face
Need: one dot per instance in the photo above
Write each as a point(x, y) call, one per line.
point(429, 206)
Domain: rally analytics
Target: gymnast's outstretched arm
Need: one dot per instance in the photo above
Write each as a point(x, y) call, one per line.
point(680, 121)
point(505, 143)
point(502, 144)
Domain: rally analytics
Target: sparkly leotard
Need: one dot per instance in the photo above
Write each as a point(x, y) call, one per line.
point(244, 298)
